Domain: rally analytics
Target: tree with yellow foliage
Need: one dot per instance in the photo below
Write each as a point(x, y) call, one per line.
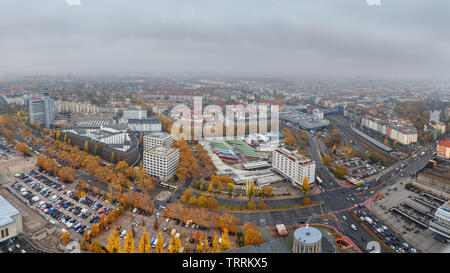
point(187, 247)
point(86, 236)
point(65, 237)
point(22, 148)
point(251, 234)
point(251, 189)
point(144, 243)
point(113, 245)
point(215, 243)
point(128, 246)
point(174, 245)
point(84, 245)
point(94, 230)
point(305, 185)
point(230, 187)
point(261, 204)
point(160, 244)
point(251, 204)
point(225, 243)
point(121, 166)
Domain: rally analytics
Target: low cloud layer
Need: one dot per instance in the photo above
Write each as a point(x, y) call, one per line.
point(399, 39)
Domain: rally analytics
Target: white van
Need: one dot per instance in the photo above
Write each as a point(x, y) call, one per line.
point(123, 233)
point(353, 227)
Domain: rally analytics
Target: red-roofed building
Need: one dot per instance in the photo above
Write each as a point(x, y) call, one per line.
point(443, 148)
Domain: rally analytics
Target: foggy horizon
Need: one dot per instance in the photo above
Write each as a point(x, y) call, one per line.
point(404, 39)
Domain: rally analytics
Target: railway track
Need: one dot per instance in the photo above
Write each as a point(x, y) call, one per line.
point(342, 125)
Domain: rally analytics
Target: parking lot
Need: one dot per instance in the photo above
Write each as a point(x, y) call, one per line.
point(359, 168)
point(5, 149)
point(406, 201)
point(58, 203)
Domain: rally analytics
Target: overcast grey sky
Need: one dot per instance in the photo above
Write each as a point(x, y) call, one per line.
point(400, 38)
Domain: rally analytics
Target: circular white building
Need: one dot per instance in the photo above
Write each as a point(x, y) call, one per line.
point(307, 240)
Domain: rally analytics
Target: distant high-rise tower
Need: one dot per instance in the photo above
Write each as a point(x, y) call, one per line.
point(43, 110)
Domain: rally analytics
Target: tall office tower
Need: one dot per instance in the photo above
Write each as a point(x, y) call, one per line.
point(43, 110)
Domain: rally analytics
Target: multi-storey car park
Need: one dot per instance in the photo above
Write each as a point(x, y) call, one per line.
point(108, 140)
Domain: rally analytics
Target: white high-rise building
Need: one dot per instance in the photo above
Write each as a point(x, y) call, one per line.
point(293, 166)
point(157, 139)
point(43, 110)
point(161, 162)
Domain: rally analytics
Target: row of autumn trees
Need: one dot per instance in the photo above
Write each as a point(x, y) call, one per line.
point(114, 244)
point(122, 173)
point(50, 165)
point(188, 166)
point(203, 217)
point(207, 202)
point(205, 158)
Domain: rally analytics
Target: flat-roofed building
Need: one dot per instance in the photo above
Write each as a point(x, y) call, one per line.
point(157, 139)
point(161, 162)
point(43, 110)
point(10, 220)
point(293, 166)
point(106, 141)
point(150, 124)
point(441, 221)
point(134, 114)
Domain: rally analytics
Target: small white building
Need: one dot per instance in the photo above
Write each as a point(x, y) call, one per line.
point(10, 220)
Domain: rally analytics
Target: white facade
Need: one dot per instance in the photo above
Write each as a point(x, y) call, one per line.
point(161, 162)
point(400, 130)
point(43, 110)
point(294, 166)
point(10, 220)
point(76, 107)
point(134, 114)
point(145, 125)
point(157, 139)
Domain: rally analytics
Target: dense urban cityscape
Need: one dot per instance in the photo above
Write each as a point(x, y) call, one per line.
point(212, 162)
point(103, 170)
